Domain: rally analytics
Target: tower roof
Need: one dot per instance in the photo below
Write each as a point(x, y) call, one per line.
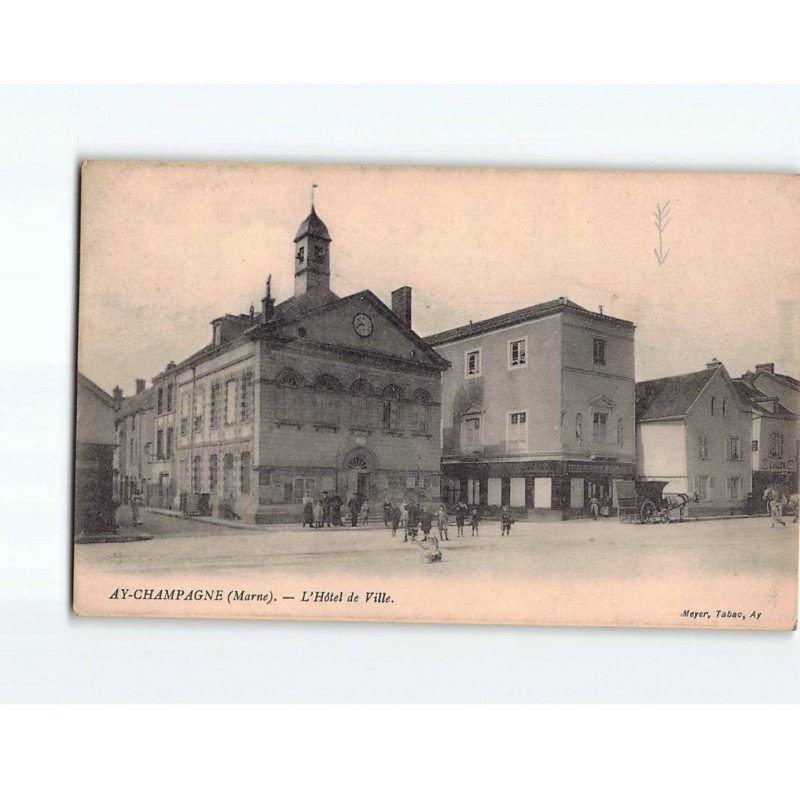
point(312, 225)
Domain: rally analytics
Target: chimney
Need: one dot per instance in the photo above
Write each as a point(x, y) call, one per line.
point(252, 313)
point(267, 303)
point(770, 367)
point(139, 385)
point(117, 394)
point(714, 363)
point(401, 304)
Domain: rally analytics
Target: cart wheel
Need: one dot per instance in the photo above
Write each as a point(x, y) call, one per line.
point(648, 512)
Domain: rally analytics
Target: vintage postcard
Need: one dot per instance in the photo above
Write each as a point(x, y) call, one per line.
point(502, 396)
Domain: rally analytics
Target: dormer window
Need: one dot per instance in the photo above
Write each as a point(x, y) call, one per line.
point(301, 254)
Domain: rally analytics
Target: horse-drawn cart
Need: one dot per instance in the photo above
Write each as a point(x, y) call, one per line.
point(645, 501)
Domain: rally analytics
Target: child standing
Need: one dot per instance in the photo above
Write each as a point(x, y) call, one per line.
point(441, 522)
point(474, 519)
point(505, 521)
point(394, 517)
point(318, 513)
point(461, 515)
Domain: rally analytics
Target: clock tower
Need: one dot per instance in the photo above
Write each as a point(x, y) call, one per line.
point(312, 265)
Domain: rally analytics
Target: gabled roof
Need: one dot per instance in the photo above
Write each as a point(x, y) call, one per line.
point(670, 397)
point(755, 400)
point(136, 403)
point(515, 317)
point(787, 379)
point(100, 394)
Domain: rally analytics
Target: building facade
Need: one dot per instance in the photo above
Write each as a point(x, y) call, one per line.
point(318, 393)
point(773, 442)
point(694, 432)
point(134, 437)
point(95, 445)
point(537, 409)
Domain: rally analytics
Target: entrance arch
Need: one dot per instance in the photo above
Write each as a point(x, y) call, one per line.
point(359, 465)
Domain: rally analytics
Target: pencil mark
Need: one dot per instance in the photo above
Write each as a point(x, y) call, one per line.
point(662, 220)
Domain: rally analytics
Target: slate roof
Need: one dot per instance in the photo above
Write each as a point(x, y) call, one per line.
point(670, 397)
point(92, 387)
point(515, 317)
point(786, 378)
point(752, 398)
point(313, 225)
point(136, 403)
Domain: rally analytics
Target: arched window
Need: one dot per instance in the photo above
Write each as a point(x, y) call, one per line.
point(326, 401)
point(421, 412)
point(358, 462)
point(392, 397)
point(289, 400)
point(579, 427)
point(361, 392)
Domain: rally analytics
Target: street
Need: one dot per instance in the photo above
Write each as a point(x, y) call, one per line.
point(570, 550)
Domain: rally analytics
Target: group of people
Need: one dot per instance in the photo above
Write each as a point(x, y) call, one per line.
point(326, 511)
point(416, 520)
point(776, 504)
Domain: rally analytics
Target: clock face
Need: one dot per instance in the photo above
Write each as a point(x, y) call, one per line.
point(362, 324)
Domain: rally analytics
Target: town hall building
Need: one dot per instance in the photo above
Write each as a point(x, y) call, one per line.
point(317, 393)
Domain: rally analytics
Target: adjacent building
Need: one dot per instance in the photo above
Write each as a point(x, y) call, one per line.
point(95, 443)
point(538, 408)
point(134, 439)
point(773, 437)
point(694, 432)
point(318, 393)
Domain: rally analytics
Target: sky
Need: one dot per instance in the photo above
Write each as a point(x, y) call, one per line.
point(166, 248)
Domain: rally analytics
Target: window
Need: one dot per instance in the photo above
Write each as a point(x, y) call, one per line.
point(391, 408)
point(620, 431)
point(216, 391)
point(244, 477)
point(212, 473)
point(230, 401)
point(421, 409)
point(579, 427)
point(702, 446)
point(359, 405)
point(169, 443)
point(159, 445)
point(713, 405)
point(170, 389)
point(199, 407)
point(185, 402)
point(470, 433)
point(247, 397)
point(319, 251)
point(302, 487)
point(301, 254)
point(733, 490)
point(133, 423)
point(599, 351)
point(517, 353)
point(227, 475)
point(776, 445)
point(724, 406)
point(754, 445)
point(599, 426)
point(197, 473)
point(160, 403)
point(131, 449)
point(517, 432)
point(703, 487)
point(733, 448)
point(326, 401)
point(288, 406)
point(472, 363)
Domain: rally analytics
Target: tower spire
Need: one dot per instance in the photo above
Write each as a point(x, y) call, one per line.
point(313, 186)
